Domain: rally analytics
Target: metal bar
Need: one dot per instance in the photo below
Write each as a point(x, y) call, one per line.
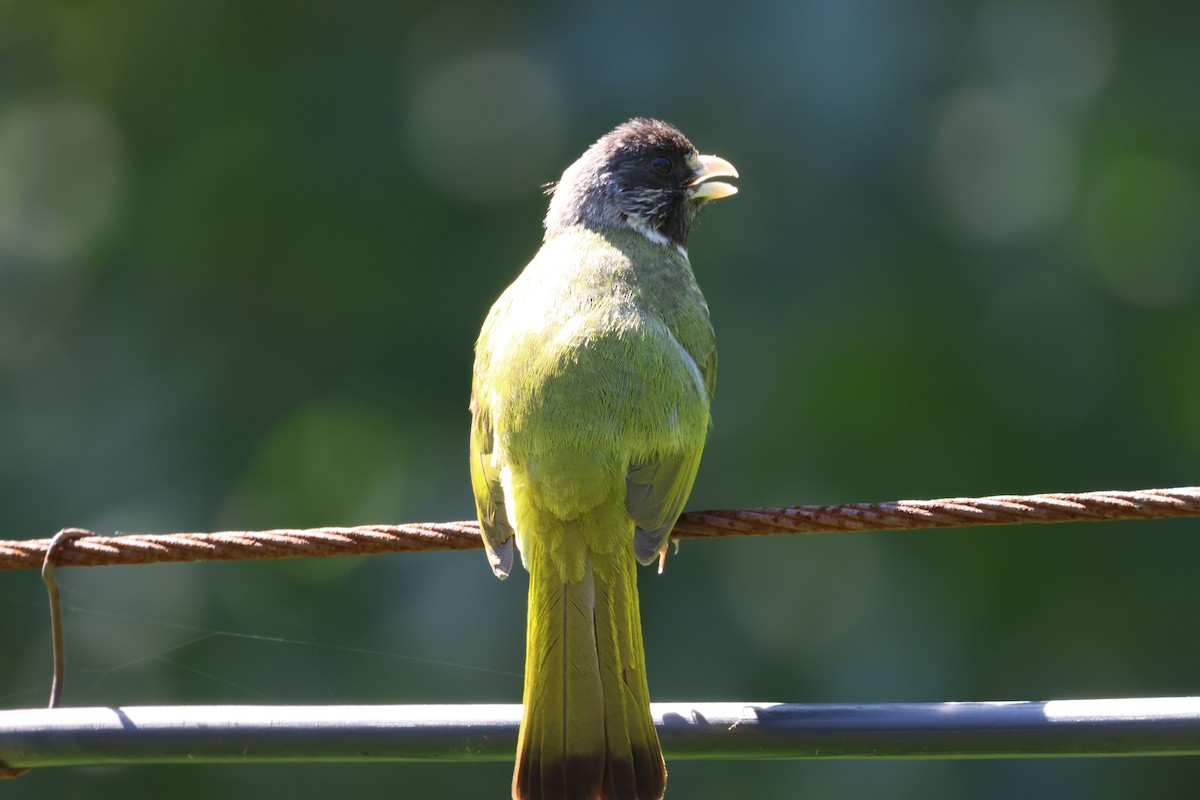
point(209, 734)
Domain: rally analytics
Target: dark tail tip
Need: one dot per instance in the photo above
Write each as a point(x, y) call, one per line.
point(636, 776)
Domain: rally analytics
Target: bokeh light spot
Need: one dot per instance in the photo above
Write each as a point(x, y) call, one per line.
point(1140, 230)
point(330, 462)
point(1005, 169)
point(488, 126)
point(1058, 50)
point(60, 177)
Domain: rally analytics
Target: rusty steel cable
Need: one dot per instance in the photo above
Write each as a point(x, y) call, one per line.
point(85, 548)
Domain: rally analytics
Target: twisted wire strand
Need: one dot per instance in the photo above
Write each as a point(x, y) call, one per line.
point(86, 548)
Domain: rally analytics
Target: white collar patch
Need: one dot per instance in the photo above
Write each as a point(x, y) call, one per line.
point(654, 236)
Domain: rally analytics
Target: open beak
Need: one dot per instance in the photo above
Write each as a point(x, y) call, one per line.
point(705, 168)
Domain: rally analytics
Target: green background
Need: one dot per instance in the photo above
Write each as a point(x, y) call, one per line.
point(245, 249)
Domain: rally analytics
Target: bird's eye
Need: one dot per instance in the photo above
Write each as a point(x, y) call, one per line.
point(662, 165)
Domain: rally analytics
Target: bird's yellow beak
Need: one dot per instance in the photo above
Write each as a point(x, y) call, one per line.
point(705, 168)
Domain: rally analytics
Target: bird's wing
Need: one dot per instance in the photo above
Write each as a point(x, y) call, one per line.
point(489, 496)
point(655, 491)
point(657, 488)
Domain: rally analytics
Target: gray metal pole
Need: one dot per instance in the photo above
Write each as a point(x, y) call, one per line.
point(208, 734)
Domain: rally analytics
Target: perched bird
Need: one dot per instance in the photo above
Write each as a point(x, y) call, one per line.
point(590, 403)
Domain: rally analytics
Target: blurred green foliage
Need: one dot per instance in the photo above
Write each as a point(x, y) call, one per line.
point(245, 249)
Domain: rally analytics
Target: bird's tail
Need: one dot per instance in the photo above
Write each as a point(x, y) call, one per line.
point(586, 732)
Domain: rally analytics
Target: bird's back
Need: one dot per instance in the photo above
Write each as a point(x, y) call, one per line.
point(602, 345)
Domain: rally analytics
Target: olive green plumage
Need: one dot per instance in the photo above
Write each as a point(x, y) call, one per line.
point(593, 376)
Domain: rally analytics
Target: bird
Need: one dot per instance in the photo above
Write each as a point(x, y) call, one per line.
point(590, 401)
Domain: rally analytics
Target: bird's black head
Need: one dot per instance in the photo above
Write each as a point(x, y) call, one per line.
point(644, 175)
